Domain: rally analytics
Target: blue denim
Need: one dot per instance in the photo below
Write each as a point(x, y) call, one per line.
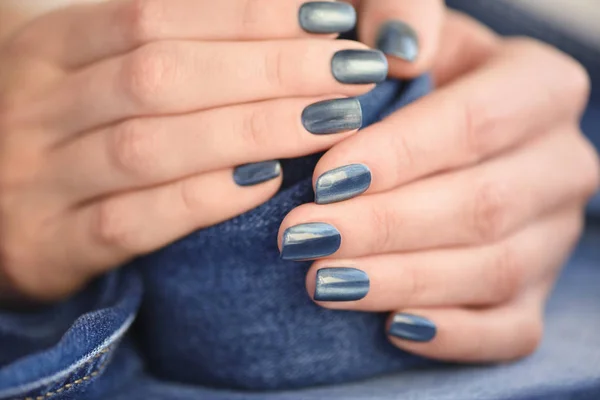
point(219, 316)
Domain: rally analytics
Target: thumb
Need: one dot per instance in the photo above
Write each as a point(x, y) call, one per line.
point(408, 31)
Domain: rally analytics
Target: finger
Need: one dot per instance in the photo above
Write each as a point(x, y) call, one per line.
point(497, 334)
point(87, 33)
point(464, 45)
point(149, 151)
point(480, 205)
point(121, 227)
point(493, 274)
point(407, 31)
point(465, 122)
point(180, 77)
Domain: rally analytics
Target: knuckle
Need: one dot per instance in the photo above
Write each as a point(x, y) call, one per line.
point(506, 274)
point(146, 75)
point(110, 228)
point(142, 20)
point(383, 221)
point(275, 69)
point(475, 119)
point(490, 211)
point(416, 286)
point(251, 14)
point(133, 149)
point(578, 79)
point(193, 197)
point(575, 83)
point(256, 128)
point(404, 154)
point(589, 170)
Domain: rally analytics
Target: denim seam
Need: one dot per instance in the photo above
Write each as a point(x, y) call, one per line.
point(73, 368)
point(77, 382)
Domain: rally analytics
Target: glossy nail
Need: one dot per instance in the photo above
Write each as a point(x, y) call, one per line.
point(359, 66)
point(255, 173)
point(412, 327)
point(342, 183)
point(341, 284)
point(327, 17)
point(398, 39)
point(310, 241)
point(332, 116)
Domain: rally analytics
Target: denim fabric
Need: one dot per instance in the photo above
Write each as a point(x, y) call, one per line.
point(220, 313)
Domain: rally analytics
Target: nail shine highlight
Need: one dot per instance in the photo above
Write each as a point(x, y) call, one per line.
point(256, 173)
point(398, 39)
point(327, 17)
point(359, 66)
point(310, 241)
point(332, 116)
point(341, 284)
point(413, 328)
point(342, 183)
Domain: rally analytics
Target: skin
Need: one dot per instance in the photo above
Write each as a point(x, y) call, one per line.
point(89, 164)
point(476, 201)
point(108, 133)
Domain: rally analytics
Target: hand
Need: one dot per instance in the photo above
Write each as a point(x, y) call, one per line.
point(474, 198)
point(121, 124)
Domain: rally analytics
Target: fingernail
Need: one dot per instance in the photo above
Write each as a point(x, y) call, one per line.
point(341, 284)
point(398, 39)
point(310, 241)
point(332, 116)
point(359, 66)
point(255, 173)
point(342, 183)
point(327, 17)
point(412, 327)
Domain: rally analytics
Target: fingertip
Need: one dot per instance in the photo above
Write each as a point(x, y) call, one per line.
point(407, 32)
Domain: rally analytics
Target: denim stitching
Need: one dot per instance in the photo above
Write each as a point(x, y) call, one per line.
point(108, 343)
point(79, 381)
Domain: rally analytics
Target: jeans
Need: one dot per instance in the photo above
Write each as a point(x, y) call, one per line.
point(218, 316)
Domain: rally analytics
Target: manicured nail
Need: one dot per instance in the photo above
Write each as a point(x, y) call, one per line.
point(359, 66)
point(332, 116)
point(398, 39)
point(310, 241)
point(412, 327)
point(341, 284)
point(342, 183)
point(255, 173)
point(327, 17)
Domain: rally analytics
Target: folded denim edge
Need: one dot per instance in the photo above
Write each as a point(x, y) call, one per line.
point(117, 335)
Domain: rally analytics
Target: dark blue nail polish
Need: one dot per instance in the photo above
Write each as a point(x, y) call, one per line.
point(359, 66)
point(310, 241)
point(398, 39)
point(332, 116)
point(255, 173)
point(412, 327)
point(341, 284)
point(342, 183)
point(327, 17)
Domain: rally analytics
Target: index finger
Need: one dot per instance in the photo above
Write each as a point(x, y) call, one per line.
point(473, 118)
point(86, 33)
